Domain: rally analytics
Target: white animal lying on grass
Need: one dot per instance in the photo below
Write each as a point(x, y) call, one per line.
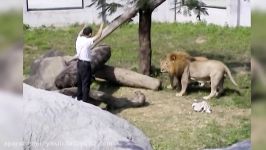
point(201, 107)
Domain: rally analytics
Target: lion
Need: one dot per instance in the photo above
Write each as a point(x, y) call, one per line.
point(212, 70)
point(174, 64)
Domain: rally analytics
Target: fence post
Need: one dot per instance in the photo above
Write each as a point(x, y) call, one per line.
point(233, 12)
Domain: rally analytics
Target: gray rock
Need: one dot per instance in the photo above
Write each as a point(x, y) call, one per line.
point(50, 68)
point(52, 121)
point(47, 71)
point(11, 121)
point(36, 63)
point(243, 145)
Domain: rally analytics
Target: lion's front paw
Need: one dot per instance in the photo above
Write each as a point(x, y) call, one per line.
point(179, 94)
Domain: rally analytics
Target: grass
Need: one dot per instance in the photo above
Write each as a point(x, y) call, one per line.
point(169, 121)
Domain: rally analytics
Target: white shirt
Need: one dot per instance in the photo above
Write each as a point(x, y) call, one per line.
point(83, 48)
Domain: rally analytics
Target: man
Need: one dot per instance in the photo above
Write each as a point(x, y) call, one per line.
point(83, 49)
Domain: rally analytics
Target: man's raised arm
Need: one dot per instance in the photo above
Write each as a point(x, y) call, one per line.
point(81, 32)
point(99, 33)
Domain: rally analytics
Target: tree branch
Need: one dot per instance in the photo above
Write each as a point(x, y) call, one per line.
point(130, 13)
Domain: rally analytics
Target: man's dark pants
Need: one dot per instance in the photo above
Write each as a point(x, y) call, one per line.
point(84, 76)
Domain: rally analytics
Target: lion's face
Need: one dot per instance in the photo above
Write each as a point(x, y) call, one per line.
point(164, 65)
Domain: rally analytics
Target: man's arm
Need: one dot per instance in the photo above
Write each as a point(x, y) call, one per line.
point(99, 33)
point(74, 58)
point(81, 32)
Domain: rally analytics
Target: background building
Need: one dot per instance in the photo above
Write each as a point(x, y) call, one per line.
point(66, 12)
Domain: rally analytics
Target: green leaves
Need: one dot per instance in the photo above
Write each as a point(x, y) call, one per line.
point(105, 7)
point(198, 7)
point(112, 7)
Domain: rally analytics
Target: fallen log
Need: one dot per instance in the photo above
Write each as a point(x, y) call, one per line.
point(128, 78)
point(67, 78)
point(97, 97)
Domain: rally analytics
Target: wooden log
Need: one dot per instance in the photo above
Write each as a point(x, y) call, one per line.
point(128, 78)
point(119, 76)
point(97, 97)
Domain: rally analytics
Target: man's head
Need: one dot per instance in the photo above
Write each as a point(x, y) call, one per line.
point(87, 31)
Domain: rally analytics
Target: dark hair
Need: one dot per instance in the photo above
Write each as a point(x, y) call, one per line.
point(87, 31)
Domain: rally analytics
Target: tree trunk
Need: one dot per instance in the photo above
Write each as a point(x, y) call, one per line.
point(145, 41)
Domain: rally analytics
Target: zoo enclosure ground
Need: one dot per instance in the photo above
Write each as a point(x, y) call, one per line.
point(168, 120)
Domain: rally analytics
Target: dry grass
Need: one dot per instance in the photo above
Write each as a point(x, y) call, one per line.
point(171, 124)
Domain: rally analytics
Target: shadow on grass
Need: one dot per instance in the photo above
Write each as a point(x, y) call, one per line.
point(155, 71)
point(119, 110)
point(226, 92)
point(118, 104)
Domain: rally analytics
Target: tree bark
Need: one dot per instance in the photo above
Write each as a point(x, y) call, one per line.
point(67, 78)
point(145, 41)
point(131, 12)
point(128, 78)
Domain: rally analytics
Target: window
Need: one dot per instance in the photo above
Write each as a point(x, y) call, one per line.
point(36, 5)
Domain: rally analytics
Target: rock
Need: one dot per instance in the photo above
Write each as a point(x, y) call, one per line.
point(244, 145)
point(50, 120)
point(11, 121)
point(36, 63)
point(47, 71)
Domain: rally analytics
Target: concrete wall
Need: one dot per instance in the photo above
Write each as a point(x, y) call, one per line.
point(7, 5)
point(231, 16)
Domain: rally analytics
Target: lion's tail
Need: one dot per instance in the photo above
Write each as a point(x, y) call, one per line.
point(230, 75)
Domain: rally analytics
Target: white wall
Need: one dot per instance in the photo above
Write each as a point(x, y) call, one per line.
point(7, 5)
point(258, 5)
point(161, 14)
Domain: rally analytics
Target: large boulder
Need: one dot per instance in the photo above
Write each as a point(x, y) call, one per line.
point(50, 68)
point(49, 120)
point(46, 72)
point(36, 63)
